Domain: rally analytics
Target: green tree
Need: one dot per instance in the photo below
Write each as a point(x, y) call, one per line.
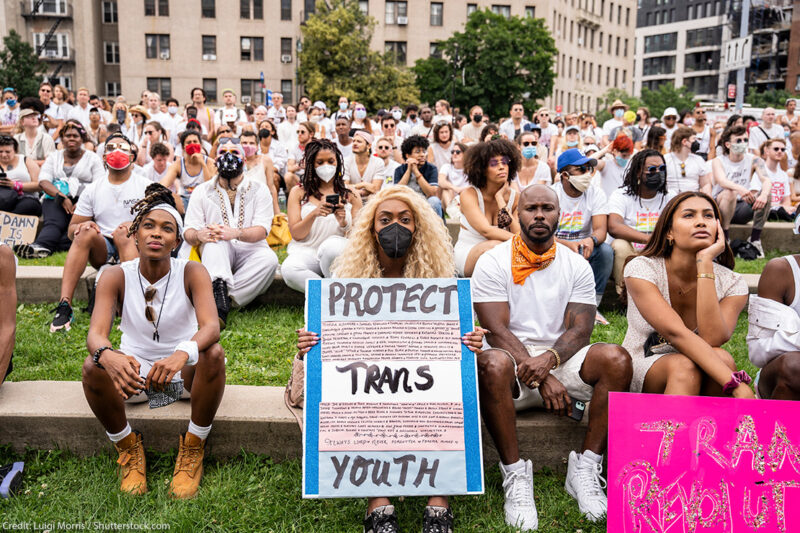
point(19, 66)
point(337, 59)
point(493, 62)
point(667, 96)
point(774, 98)
point(616, 94)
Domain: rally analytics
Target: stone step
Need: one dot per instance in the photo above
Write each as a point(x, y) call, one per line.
point(54, 414)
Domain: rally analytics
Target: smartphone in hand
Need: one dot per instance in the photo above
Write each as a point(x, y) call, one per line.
point(332, 199)
point(578, 408)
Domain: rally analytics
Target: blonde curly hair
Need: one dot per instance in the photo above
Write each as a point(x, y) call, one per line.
point(430, 254)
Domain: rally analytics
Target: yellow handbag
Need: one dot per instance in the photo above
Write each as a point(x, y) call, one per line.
point(279, 234)
point(194, 254)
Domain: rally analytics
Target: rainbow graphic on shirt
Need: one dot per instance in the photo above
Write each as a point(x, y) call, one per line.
point(570, 225)
point(646, 223)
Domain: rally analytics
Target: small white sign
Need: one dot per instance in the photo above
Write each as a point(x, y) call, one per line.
point(737, 53)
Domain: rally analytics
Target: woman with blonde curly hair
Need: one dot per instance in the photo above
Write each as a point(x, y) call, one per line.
point(397, 235)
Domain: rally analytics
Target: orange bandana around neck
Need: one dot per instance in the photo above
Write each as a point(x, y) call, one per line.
point(524, 262)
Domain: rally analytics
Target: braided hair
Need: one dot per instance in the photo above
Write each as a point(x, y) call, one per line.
point(310, 181)
point(154, 194)
point(632, 179)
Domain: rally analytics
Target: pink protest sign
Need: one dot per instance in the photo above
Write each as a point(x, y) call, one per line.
point(685, 464)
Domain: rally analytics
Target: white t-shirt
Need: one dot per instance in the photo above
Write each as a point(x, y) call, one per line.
point(80, 114)
point(609, 125)
point(575, 221)
point(738, 173)
point(610, 178)
point(287, 131)
point(757, 136)
point(110, 205)
point(507, 128)
point(780, 185)
point(347, 151)
point(151, 172)
point(454, 175)
point(693, 168)
point(277, 114)
point(568, 279)
point(670, 131)
point(540, 175)
point(548, 133)
point(638, 213)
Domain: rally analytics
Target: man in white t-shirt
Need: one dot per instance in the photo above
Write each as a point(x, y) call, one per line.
point(99, 225)
point(156, 169)
point(154, 108)
point(276, 112)
point(772, 152)
point(583, 220)
point(80, 111)
point(362, 171)
point(536, 298)
point(767, 129)
point(229, 113)
point(8, 311)
point(669, 119)
point(516, 124)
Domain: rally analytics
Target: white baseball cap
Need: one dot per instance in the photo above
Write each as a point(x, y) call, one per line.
point(320, 104)
point(669, 112)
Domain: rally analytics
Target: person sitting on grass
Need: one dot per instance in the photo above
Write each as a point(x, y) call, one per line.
point(683, 304)
point(99, 225)
point(8, 311)
point(155, 359)
point(541, 355)
point(397, 235)
point(417, 173)
point(635, 208)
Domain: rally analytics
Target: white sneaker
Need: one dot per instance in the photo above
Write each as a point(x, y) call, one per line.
point(585, 484)
point(520, 509)
point(757, 246)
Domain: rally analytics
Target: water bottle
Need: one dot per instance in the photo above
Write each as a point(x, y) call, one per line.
point(282, 200)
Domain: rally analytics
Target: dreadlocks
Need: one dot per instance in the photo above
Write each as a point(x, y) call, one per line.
point(634, 172)
point(310, 181)
point(154, 195)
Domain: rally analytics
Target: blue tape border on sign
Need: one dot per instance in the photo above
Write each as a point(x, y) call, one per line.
point(313, 390)
point(472, 431)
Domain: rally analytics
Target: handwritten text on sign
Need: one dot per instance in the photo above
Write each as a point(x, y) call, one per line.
point(696, 465)
point(17, 229)
point(391, 392)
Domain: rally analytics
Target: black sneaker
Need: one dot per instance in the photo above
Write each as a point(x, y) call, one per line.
point(222, 300)
point(63, 318)
point(10, 478)
point(31, 251)
point(437, 520)
point(382, 520)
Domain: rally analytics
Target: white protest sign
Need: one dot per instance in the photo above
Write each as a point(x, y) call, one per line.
point(17, 229)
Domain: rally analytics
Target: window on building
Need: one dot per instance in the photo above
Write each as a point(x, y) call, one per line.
point(617, 48)
point(660, 43)
point(258, 9)
point(208, 9)
point(619, 14)
point(611, 12)
point(396, 12)
point(690, 12)
point(437, 9)
point(616, 77)
point(625, 49)
point(56, 48)
point(702, 61)
point(703, 37)
point(658, 65)
point(111, 53)
point(797, 83)
point(156, 8)
point(286, 89)
point(286, 49)
point(363, 6)
point(54, 7)
point(530, 11)
point(309, 7)
point(209, 47)
point(251, 92)
point(702, 84)
point(156, 46)
point(286, 9)
point(627, 16)
point(110, 15)
point(502, 10)
point(244, 9)
point(653, 85)
point(252, 48)
point(471, 8)
point(162, 86)
point(648, 19)
point(608, 75)
point(624, 77)
point(65, 81)
point(435, 50)
point(396, 50)
point(113, 88)
point(210, 88)
point(701, 11)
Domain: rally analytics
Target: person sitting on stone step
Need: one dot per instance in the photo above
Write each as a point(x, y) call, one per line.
point(8, 311)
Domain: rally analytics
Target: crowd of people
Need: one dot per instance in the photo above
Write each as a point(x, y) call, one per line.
point(549, 208)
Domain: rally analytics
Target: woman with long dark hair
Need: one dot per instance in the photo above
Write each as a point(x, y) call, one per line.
point(684, 302)
point(656, 139)
point(321, 212)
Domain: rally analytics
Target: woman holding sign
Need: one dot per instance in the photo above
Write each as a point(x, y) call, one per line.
point(398, 235)
point(684, 304)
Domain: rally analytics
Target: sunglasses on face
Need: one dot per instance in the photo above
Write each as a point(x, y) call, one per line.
point(529, 143)
point(229, 140)
point(384, 147)
point(740, 141)
point(456, 152)
point(544, 114)
point(118, 146)
point(497, 162)
point(779, 148)
point(654, 169)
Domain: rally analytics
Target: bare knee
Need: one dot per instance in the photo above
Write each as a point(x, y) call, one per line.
point(214, 356)
point(495, 365)
point(684, 370)
point(726, 358)
point(90, 372)
point(85, 238)
point(615, 360)
point(788, 371)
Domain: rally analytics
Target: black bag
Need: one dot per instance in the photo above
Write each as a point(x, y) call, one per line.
point(744, 250)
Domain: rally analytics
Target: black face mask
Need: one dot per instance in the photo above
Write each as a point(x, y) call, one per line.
point(412, 117)
point(655, 180)
point(638, 118)
point(395, 240)
point(477, 117)
point(695, 147)
point(229, 165)
point(264, 133)
point(120, 115)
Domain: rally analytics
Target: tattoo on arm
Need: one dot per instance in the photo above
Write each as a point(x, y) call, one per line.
point(579, 322)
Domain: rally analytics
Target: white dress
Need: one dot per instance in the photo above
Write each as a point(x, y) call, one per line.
point(469, 237)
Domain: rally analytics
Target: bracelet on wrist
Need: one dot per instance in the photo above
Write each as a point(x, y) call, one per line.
point(97, 353)
point(707, 275)
point(737, 378)
point(555, 354)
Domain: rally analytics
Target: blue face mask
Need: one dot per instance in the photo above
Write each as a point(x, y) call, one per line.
point(529, 152)
point(621, 161)
point(618, 113)
point(572, 144)
point(11, 102)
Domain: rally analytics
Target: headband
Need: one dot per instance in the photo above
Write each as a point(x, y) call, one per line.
point(172, 211)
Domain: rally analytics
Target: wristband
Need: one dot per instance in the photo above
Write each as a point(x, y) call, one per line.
point(97, 353)
point(737, 378)
point(190, 347)
point(594, 240)
point(558, 357)
point(18, 188)
point(704, 275)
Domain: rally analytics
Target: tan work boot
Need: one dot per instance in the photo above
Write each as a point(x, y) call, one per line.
point(132, 465)
point(188, 467)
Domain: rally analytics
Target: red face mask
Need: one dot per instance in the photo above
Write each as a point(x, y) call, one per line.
point(192, 148)
point(118, 160)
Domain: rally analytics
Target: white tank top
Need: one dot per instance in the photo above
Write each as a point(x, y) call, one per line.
point(178, 322)
point(469, 235)
point(188, 181)
point(796, 274)
point(321, 229)
point(256, 173)
point(704, 139)
point(20, 173)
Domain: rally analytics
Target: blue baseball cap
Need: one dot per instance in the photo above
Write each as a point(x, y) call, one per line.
point(574, 157)
point(530, 126)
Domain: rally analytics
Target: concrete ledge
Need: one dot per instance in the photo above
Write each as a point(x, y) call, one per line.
point(54, 414)
point(42, 284)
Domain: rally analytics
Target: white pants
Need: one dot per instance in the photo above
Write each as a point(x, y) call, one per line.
point(305, 263)
point(247, 268)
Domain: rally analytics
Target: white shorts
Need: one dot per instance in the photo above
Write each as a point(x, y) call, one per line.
point(568, 374)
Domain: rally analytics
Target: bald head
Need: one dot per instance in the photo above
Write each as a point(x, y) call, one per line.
point(768, 116)
point(537, 192)
point(539, 212)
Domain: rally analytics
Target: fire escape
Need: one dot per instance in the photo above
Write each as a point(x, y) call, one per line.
point(41, 48)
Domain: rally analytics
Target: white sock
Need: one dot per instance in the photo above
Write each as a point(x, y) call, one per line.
point(598, 298)
point(589, 454)
point(116, 437)
point(199, 431)
point(515, 467)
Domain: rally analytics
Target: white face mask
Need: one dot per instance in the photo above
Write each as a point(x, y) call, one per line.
point(580, 182)
point(314, 119)
point(397, 114)
point(361, 114)
point(172, 109)
point(738, 148)
point(325, 172)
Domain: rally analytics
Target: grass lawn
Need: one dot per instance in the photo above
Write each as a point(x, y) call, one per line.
point(259, 346)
